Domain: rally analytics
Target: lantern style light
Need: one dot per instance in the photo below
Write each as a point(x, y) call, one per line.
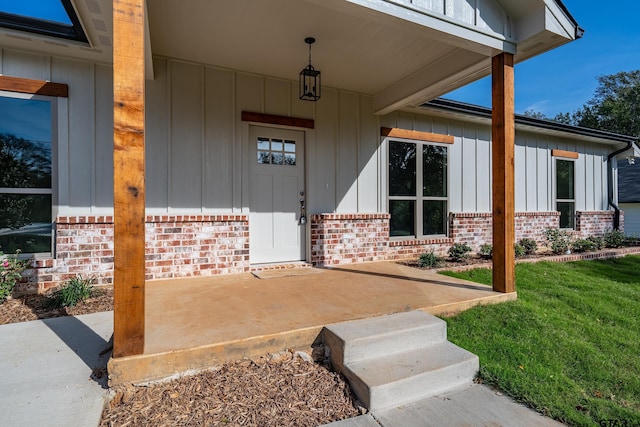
point(310, 78)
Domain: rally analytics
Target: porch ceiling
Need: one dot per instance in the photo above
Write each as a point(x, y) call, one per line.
point(402, 52)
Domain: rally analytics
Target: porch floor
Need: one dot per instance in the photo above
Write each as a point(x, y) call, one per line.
point(198, 323)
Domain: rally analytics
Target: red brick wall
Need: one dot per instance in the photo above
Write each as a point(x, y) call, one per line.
point(596, 223)
point(176, 246)
point(349, 238)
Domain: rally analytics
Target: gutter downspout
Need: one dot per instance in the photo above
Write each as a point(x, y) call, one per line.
point(616, 215)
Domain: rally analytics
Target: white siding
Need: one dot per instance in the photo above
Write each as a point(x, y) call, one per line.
point(631, 218)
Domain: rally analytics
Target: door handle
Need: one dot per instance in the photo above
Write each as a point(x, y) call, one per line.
point(303, 214)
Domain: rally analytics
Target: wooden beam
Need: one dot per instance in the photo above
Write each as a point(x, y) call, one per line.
point(503, 184)
point(416, 135)
point(565, 154)
point(36, 87)
point(128, 177)
point(272, 119)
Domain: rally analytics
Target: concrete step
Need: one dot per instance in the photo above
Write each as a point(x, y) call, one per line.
point(401, 378)
point(382, 336)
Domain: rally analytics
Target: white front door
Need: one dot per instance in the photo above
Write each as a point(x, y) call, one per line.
point(276, 170)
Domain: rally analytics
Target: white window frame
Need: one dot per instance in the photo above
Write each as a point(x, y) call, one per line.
point(55, 136)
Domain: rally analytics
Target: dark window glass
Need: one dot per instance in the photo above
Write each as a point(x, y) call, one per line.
point(402, 221)
point(402, 169)
point(434, 217)
point(564, 179)
point(434, 173)
point(566, 210)
point(25, 175)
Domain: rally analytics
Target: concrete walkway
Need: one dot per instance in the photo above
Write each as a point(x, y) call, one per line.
point(475, 405)
point(47, 379)
point(52, 373)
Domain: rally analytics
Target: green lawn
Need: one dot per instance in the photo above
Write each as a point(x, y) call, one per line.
point(569, 346)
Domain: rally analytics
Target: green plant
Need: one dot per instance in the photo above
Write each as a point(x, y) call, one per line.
point(583, 245)
point(11, 269)
point(459, 252)
point(429, 260)
point(486, 250)
point(519, 250)
point(529, 245)
point(614, 239)
point(598, 242)
point(75, 290)
point(557, 240)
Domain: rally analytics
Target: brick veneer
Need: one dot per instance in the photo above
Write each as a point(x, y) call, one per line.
point(596, 223)
point(176, 246)
point(203, 245)
point(349, 238)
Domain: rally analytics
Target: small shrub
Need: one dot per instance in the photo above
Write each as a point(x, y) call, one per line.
point(529, 245)
point(429, 260)
point(583, 245)
point(557, 240)
point(72, 292)
point(459, 252)
point(614, 239)
point(486, 251)
point(598, 242)
point(520, 251)
point(11, 269)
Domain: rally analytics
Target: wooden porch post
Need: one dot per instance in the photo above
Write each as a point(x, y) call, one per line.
point(503, 136)
point(128, 177)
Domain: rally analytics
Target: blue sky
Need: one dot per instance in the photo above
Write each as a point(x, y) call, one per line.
point(44, 9)
point(26, 118)
point(564, 79)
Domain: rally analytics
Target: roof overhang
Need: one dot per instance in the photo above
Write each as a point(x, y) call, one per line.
point(448, 109)
point(403, 53)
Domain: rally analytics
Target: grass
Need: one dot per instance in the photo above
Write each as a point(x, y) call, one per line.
point(569, 347)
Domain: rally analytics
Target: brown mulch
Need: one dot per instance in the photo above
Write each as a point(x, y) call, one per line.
point(38, 306)
point(276, 390)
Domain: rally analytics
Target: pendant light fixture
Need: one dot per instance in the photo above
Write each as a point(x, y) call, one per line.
point(310, 78)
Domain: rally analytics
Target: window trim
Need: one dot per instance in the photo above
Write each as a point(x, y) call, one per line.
point(555, 189)
point(417, 199)
point(21, 88)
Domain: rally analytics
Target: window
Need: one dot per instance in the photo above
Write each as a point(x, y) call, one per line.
point(25, 174)
point(276, 152)
point(565, 187)
point(418, 201)
point(53, 18)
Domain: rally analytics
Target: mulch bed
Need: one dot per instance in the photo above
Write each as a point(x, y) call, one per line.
point(38, 306)
point(283, 389)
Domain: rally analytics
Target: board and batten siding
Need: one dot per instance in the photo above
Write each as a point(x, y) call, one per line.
point(83, 160)
point(196, 143)
point(470, 165)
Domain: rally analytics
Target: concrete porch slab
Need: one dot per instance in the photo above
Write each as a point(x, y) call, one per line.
point(195, 324)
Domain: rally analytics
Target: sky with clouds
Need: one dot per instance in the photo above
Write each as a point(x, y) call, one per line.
point(564, 79)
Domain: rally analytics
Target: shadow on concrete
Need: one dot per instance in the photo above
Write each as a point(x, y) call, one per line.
point(85, 343)
point(412, 279)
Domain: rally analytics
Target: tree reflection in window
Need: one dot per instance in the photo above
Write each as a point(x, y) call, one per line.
point(25, 175)
point(413, 212)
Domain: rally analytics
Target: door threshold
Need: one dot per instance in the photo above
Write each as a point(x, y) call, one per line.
point(279, 265)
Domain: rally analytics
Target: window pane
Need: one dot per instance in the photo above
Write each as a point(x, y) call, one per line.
point(290, 146)
point(564, 179)
point(402, 221)
point(276, 158)
point(263, 158)
point(434, 217)
point(25, 143)
point(566, 210)
point(263, 144)
point(25, 223)
point(289, 159)
point(276, 145)
point(434, 175)
point(402, 169)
